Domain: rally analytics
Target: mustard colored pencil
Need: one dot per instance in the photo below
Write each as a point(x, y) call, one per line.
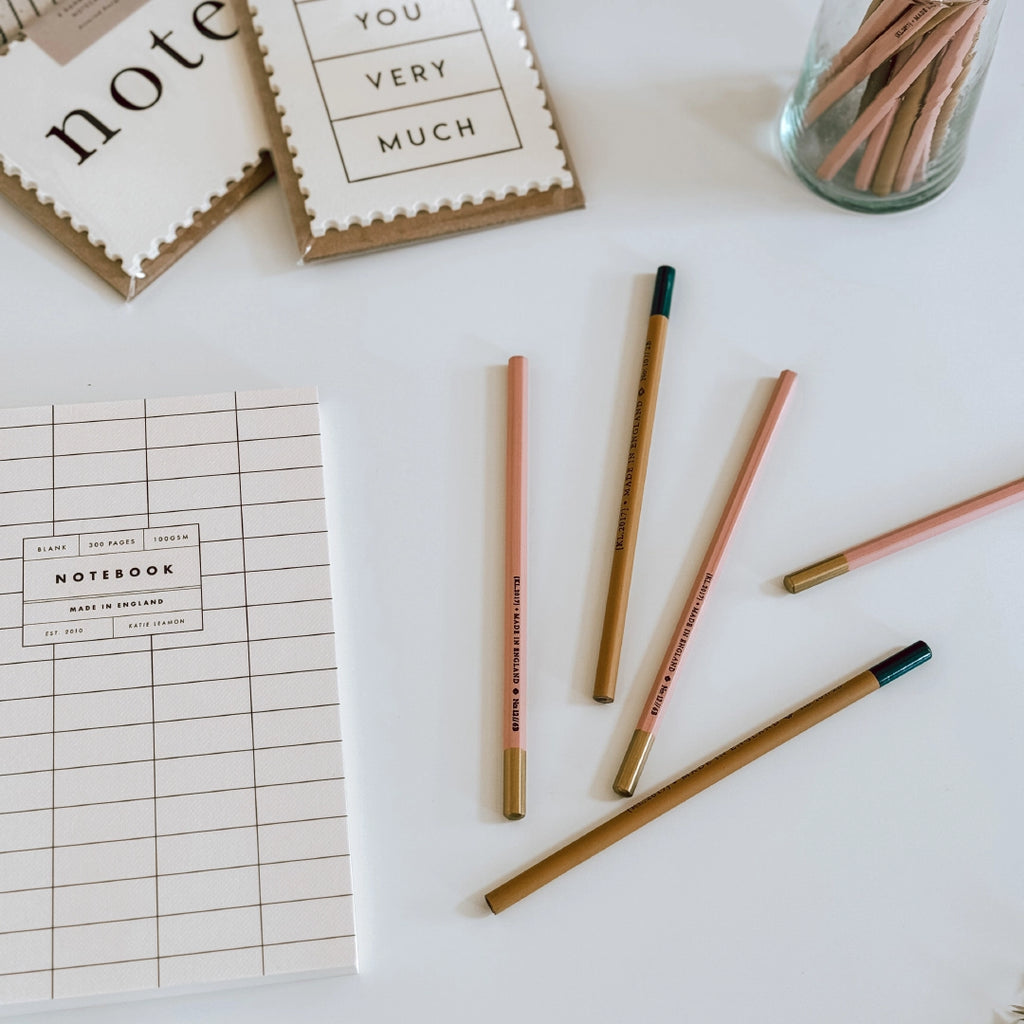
point(643, 811)
point(633, 489)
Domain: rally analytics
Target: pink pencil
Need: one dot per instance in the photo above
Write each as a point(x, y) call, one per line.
point(890, 94)
point(876, 21)
point(897, 36)
point(514, 705)
point(912, 533)
point(643, 736)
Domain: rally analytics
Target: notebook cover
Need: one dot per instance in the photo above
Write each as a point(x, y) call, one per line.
point(172, 809)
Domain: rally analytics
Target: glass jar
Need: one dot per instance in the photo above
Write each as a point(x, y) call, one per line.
point(880, 115)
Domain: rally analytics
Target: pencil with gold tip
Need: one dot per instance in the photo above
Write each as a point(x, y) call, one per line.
point(514, 651)
point(905, 536)
point(657, 700)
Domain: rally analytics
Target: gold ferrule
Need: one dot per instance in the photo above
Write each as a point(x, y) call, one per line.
point(513, 784)
point(633, 763)
point(829, 569)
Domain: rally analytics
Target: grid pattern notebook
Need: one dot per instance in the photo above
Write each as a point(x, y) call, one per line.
point(171, 791)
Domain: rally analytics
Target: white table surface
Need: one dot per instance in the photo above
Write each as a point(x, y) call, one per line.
point(870, 871)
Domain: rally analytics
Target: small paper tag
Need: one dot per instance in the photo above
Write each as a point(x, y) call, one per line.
point(74, 25)
point(98, 586)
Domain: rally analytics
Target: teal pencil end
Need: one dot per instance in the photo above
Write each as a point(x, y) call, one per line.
point(901, 662)
point(663, 284)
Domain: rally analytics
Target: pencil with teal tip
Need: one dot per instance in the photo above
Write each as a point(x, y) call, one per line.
point(641, 432)
point(644, 811)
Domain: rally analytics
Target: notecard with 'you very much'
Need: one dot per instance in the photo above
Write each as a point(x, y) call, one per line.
point(134, 130)
point(402, 120)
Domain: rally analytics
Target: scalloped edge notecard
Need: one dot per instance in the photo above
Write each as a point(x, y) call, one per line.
point(130, 139)
point(393, 121)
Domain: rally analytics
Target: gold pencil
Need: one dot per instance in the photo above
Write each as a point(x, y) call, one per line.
point(633, 490)
point(639, 814)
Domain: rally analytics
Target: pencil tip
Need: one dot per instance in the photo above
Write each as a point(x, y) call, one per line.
point(812, 575)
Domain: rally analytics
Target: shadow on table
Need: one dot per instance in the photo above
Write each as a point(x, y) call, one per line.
point(685, 139)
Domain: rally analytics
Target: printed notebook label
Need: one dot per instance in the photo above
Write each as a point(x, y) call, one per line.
point(104, 585)
point(73, 26)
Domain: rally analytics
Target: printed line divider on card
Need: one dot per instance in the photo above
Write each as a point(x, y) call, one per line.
point(188, 682)
point(173, 874)
point(410, 106)
point(162, 416)
point(157, 918)
point(171, 956)
point(497, 75)
point(157, 721)
point(154, 448)
point(161, 479)
point(445, 163)
point(53, 717)
point(248, 661)
point(393, 46)
point(174, 757)
point(172, 835)
point(167, 512)
point(175, 796)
